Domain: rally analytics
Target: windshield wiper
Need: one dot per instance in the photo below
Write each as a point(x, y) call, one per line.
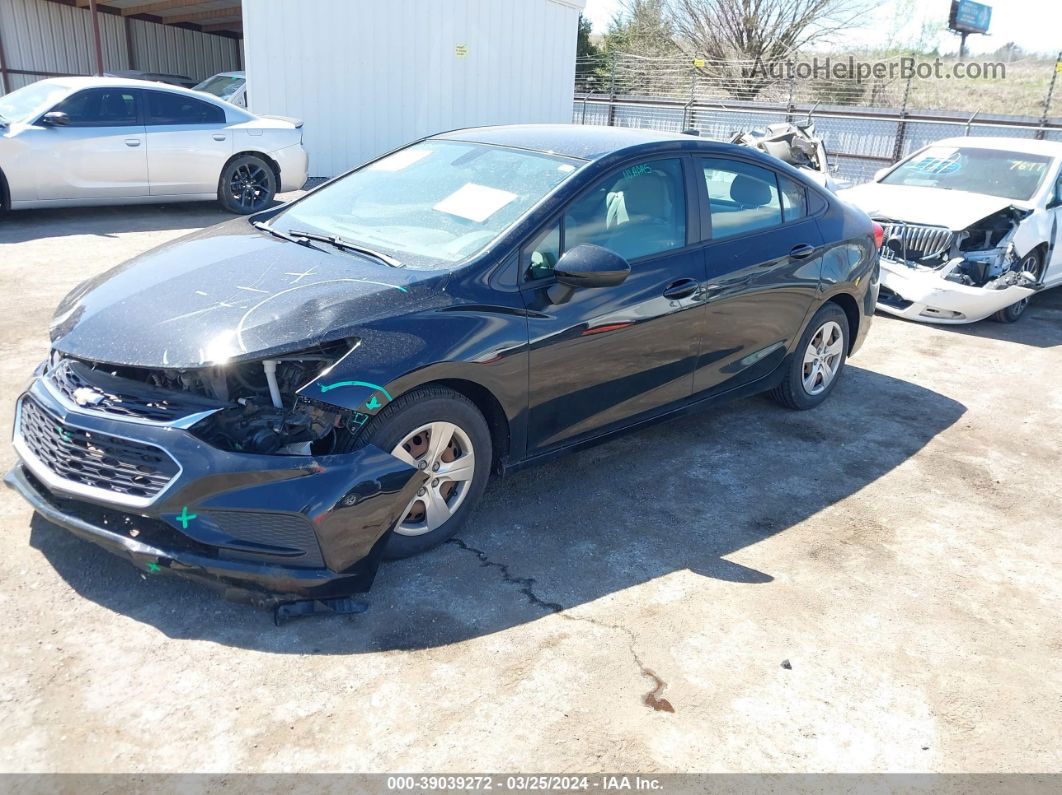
point(302, 240)
point(346, 245)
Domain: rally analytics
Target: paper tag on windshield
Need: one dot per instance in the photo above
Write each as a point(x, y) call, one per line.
point(400, 160)
point(474, 202)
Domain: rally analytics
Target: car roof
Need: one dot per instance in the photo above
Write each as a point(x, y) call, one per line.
point(120, 82)
point(1030, 146)
point(586, 142)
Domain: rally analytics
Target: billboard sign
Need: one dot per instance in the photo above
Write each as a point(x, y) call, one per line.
point(969, 17)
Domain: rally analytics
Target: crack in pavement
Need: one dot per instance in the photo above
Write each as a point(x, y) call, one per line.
point(526, 584)
point(652, 699)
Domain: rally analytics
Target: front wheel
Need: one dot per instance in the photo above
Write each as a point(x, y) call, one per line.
point(816, 364)
point(247, 185)
point(442, 434)
point(1011, 314)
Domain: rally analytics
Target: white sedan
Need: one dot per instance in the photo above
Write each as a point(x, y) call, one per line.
point(973, 228)
point(96, 140)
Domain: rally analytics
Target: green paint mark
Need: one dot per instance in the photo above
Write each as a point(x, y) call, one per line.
point(373, 404)
point(65, 436)
point(377, 387)
point(634, 171)
point(154, 567)
point(184, 518)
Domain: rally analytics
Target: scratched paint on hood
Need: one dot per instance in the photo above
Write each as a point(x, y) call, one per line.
point(229, 293)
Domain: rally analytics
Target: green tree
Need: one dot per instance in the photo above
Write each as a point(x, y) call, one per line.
point(587, 57)
point(643, 28)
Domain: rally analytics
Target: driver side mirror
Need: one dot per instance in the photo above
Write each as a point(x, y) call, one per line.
point(587, 266)
point(55, 118)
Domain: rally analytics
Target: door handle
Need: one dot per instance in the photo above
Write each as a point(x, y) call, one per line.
point(683, 288)
point(132, 142)
point(803, 251)
point(219, 137)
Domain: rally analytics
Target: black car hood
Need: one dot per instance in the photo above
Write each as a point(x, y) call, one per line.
point(229, 293)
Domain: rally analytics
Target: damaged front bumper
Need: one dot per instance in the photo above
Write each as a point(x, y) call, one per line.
point(925, 296)
point(258, 527)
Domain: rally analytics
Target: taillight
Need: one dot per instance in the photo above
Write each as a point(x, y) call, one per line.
point(879, 235)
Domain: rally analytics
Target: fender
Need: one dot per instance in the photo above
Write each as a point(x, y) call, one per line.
point(465, 340)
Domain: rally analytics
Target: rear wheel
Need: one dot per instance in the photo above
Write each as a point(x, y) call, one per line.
point(1030, 264)
point(247, 185)
point(816, 365)
point(443, 435)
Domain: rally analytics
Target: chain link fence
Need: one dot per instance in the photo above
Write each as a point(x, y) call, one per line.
point(865, 123)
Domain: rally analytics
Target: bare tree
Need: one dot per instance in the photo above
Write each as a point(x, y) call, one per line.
point(742, 39)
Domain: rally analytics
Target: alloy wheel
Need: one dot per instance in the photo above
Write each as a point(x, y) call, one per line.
point(249, 186)
point(822, 358)
point(444, 455)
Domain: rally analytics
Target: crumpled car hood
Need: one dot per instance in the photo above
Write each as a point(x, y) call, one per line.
point(229, 293)
point(951, 208)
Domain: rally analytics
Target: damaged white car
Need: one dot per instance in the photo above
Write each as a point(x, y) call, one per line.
point(972, 228)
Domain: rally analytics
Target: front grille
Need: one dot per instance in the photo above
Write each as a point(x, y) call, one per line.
point(286, 534)
point(95, 460)
point(122, 397)
point(914, 241)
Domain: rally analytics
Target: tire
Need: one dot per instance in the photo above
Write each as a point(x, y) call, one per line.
point(793, 392)
point(1013, 313)
point(247, 185)
point(433, 405)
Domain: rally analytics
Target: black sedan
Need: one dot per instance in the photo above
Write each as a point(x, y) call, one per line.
point(275, 404)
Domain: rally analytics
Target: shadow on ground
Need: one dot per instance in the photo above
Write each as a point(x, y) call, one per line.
point(682, 495)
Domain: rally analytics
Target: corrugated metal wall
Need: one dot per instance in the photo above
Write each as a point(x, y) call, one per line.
point(46, 38)
point(368, 76)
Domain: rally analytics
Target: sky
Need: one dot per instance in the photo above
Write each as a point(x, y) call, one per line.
point(1034, 25)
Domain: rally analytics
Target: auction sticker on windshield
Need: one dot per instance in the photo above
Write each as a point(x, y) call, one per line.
point(474, 202)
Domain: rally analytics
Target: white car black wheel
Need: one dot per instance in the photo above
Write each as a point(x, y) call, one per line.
point(247, 185)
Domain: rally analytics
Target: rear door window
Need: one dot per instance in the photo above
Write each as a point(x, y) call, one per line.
point(794, 199)
point(741, 197)
point(164, 108)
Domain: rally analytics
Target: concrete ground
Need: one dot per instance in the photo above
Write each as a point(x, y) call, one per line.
point(871, 586)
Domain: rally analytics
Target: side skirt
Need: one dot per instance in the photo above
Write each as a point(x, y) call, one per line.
point(691, 405)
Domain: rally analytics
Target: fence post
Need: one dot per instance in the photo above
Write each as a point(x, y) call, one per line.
point(789, 109)
point(612, 92)
point(687, 115)
point(1050, 95)
point(901, 128)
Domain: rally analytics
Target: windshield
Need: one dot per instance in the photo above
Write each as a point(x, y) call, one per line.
point(29, 100)
point(1009, 175)
point(432, 204)
point(223, 86)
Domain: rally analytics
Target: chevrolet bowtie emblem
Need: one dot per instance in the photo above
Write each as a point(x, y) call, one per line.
point(84, 396)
